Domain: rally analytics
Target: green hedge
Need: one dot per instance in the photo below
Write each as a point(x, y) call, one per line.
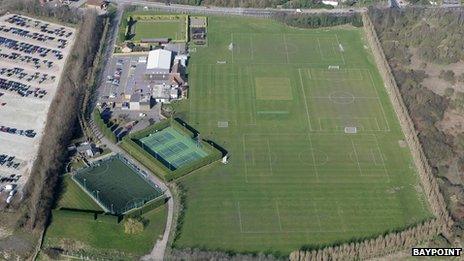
point(149, 206)
point(106, 131)
point(87, 215)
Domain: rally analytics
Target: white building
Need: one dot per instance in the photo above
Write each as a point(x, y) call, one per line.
point(330, 2)
point(159, 61)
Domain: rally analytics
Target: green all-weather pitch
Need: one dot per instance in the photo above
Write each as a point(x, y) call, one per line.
point(117, 185)
point(172, 148)
point(314, 143)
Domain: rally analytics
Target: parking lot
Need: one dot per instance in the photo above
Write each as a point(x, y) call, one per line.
point(125, 75)
point(32, 58)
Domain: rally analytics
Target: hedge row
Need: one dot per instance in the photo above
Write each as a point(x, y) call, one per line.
point(149, 206)
point(104, 128)
point(86, 215)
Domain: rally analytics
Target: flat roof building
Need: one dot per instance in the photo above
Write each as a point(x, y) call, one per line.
point(159, 61)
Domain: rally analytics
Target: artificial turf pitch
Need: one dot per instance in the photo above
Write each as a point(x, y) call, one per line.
point(116, 185)
point(294, 177)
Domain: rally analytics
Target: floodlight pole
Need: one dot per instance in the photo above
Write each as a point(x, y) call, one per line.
point(85, 186)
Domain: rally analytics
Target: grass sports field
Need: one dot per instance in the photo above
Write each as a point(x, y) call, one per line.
point(116, 185)
point(172, 148)
point(161, 27)
point(295, 177)
point(74, 197)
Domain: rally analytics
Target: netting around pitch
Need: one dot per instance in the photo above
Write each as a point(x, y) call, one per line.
point(172, 148)
point(117, 184)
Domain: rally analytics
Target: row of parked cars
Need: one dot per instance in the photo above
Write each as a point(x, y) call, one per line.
point(24, 90)
point(27, 133)
point(34, 35)
point(43, 26)
point(21, 74)
point(16, 57)
point(29, 48)
point(9, 161)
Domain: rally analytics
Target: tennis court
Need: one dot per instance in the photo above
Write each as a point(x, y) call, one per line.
point(172, 148)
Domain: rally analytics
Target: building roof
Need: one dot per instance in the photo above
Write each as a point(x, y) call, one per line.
point(159, 59)
point(154, 40)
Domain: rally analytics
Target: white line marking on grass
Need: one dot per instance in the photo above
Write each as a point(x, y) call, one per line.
point(252, 51)
point(308, 72)
point(320, 49)
point(269, 156)
point(340, 215)
point(377, 122)
point(305, 100)
point(239, 217)
point(356, 155)
point(373, 157)
point(341, 54)
point(233, 47)
point(253, 97)
point(382, 159)
point(278, 215)
point(380, 102)
point(318, 218)
point(245, 159)
point(286, 47)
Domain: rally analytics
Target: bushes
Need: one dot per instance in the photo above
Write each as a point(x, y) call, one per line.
point(104, 128)
point(133, 226)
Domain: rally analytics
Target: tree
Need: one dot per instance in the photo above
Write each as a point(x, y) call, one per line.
point(133, 226)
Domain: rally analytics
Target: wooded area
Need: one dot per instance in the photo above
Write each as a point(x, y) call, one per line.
point(416, 42)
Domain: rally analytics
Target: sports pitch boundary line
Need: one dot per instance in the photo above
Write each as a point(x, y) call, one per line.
point(381, 106)
point(233, 47)
point(341, 53)
point(269, 156)
point(239, 217)
point(286, 48)
point(253, 97)
point(305, 101)
point(278, 215)
point(357, 158)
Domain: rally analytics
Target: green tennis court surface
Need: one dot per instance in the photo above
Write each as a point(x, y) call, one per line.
point(117, 185)
point(172, 148)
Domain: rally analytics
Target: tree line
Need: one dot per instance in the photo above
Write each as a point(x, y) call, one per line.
point(39, 191)
point(436, 35)
point(318, 20)
point(252, 3)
